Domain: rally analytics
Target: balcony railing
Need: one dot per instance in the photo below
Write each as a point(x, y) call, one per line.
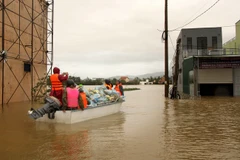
point(210, 52)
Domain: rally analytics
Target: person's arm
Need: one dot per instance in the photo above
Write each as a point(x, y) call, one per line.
point(63, 77)
point(80, 102)
point(64, 100)
point(121, 90)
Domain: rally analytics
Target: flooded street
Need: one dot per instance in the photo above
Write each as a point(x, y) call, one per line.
point(147, 128)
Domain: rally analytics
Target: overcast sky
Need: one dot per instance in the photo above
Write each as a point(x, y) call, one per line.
point(103, 38)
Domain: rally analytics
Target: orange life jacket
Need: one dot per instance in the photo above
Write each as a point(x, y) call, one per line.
point(84, 98)
point(109, 86)
point(56, 83)
point(117, 88)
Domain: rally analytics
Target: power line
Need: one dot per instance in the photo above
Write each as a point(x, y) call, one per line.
point(197, 11)
point(171, 41)
point(196, 17)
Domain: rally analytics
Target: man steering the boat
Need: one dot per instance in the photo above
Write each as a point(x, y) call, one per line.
point(56, 83)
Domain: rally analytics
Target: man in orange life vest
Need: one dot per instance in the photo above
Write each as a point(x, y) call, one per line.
point(119, 88)
point(83, 95)
point(108, 84)
point(71, 97)
point(56, 81)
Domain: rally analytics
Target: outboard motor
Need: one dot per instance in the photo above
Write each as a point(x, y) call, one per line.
point(51, 105)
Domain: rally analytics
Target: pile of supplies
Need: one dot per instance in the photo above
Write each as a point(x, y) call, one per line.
point(100, 95)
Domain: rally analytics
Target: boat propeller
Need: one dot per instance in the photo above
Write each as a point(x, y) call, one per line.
point(51, 105)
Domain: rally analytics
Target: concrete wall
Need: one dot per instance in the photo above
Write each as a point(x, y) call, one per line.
point(236, 81)
point(238, 34)
point(202, 32)
point(194, 33)
point(233, 45)
point(17, 82)
point(230, 44)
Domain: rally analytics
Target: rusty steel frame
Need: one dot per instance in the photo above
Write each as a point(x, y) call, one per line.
point(47, 11)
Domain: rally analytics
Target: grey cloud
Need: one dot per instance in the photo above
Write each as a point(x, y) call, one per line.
point(123, 35)
point(109, 58)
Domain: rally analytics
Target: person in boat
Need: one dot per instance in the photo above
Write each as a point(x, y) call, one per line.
point(83, 96)
point(119, 88)
point(108, 84)
point(71, 99)
point(56, 80)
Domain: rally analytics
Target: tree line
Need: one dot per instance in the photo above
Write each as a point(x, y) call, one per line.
point(100, 81)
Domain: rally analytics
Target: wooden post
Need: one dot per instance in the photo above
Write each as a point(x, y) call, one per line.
point(3, 47)
point(166, 50)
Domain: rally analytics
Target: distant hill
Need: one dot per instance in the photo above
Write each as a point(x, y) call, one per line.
point(155, 74)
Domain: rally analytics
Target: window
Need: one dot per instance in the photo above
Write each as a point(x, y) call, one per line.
point(27, 67)
point(201, 43)
point(214, 42)
point(189, 43)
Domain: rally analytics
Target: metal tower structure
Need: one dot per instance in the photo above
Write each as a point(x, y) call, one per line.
point(26, 52)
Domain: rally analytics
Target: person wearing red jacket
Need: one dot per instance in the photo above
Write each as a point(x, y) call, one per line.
point(56, 83)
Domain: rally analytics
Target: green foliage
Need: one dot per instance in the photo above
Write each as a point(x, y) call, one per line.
point(114, 80)
point(77, 80)
point(131, 89)
point(100, 81)
point(89, 81)
point(40, 90)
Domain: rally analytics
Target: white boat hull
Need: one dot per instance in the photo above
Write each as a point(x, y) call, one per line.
point(70, 117)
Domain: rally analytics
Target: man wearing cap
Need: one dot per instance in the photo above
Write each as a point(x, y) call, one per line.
point(56, 83)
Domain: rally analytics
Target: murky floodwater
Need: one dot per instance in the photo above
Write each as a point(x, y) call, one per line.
point(147, 128)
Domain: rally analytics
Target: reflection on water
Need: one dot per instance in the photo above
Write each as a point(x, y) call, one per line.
point(148, 127)
point(74, 146)
point(207, 128)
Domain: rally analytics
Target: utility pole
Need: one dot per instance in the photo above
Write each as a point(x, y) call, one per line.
point(3, 47)
point(166, 49)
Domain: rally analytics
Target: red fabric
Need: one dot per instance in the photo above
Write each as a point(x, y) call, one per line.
point(62, 78)
point(56, 70)
point(58, 94)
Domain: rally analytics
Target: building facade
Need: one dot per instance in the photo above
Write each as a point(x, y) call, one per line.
point(203, 67)
point(233, 45)
point(124, 78)
point(26, 36)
